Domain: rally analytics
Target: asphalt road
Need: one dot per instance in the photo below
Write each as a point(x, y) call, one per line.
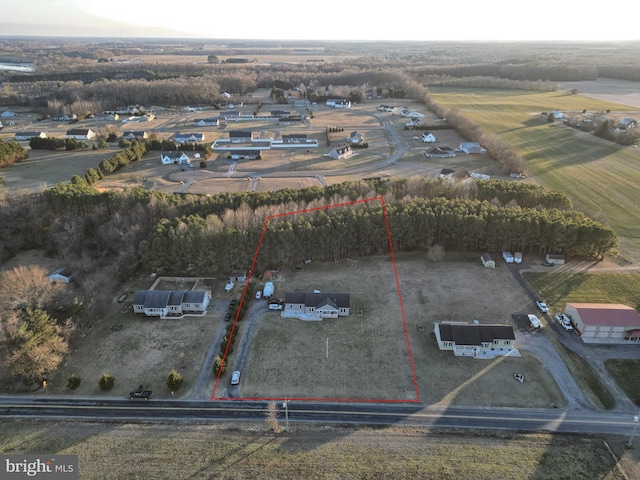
point(381, 414)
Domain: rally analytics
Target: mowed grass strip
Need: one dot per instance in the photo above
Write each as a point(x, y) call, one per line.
point(600, 177)
point(558, 289)
point(627, 375)
point(224, 451)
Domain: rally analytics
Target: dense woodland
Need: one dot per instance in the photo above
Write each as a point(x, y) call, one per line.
point(109, 236)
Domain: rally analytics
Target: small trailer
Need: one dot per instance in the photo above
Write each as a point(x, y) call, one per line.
point(554, 259)
point(507, 257)
point(268, 290)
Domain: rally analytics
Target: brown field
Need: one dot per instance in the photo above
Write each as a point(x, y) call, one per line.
point(319, 451)
point(368, 354)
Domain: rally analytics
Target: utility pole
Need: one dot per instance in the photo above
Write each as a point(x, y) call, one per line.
point(285, 404)
point(636, 419)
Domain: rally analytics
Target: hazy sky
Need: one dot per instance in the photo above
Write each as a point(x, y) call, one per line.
point(326, 19)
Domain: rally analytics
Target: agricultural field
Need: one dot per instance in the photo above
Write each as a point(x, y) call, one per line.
point(231, 451)
point(600, 177)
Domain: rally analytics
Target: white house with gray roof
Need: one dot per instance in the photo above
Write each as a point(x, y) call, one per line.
point(316, 306)
point(165, 303)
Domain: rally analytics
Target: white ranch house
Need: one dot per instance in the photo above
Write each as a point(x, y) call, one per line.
point(316, 306)
point(471, 147)
point(29, 135)
point(81, 134)
point(176, 156)
point(475, 340)
point(165, 303)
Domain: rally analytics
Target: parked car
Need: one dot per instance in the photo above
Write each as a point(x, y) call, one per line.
point(235, 378)
point(258, 294)
point(232, 303)
point(275, 306)
point(229, 286)
point(542, 306)
point(146, 394)
point(227, 317)
point(533, 320)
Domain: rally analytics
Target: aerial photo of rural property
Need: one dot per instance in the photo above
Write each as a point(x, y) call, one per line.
point(228, 255)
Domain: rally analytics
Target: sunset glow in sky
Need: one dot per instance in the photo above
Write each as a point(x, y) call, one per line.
point(324, 20)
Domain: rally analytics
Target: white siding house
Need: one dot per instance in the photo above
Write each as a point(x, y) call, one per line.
point(176, 156)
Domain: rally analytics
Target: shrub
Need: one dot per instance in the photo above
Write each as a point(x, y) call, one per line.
point(174, 380)
point(73, 381)
point(106, 382)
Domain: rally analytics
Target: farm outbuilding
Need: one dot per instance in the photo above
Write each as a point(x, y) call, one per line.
point(604, 322)
point(62, 274)
point(487, 261)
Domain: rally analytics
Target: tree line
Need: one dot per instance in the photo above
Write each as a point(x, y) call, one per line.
point(11, 153)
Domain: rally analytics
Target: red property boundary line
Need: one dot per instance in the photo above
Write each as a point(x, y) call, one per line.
point(404, 319)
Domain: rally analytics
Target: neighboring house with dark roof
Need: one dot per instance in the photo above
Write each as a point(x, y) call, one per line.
point(440, 152)
point(446, 173)
point(135, 135)
point(316, 306)
point(474, 339)
point(338, 103)
point(294, 138)
point(81, 134)
point(604, 322)
point(64, 118)
point(239, 136)
point(245, 154)
point(175, 156)
point(164, 303)
point(290, 120)
point(471, 147)
point(341, 151)
point(279, 113)
point(188, 137)
point(62, 274)
point(206, 122)
point(428, 137)
point(355, 138)
point(107, 117)
point(29, 135)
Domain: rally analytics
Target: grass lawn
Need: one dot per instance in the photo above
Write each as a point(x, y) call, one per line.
point(368, 354)
point(558, 289)
point(600, 177)
point(224, 451)
point(627, 375)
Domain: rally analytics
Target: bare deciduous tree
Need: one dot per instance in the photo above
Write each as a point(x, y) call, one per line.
point(26, 287)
